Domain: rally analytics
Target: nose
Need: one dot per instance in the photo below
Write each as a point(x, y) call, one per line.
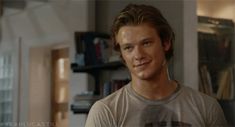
point(139, 53)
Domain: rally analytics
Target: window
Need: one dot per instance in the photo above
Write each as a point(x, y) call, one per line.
point(6, 89)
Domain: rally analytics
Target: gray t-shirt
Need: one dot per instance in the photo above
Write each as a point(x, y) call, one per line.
point(185, 108)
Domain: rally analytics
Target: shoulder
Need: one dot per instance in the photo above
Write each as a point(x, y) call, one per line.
point(107, 102)
point(103, 113)
point(200, 101)
point(111, 100)
point(197, 95)
point(207, 105)
point(115, 97)
point(99, 116)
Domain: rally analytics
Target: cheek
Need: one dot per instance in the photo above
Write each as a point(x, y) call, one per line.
point(127, 60)
point(158, 54)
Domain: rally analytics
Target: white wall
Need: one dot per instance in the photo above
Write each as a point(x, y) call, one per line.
point(190, 45)
point(39, 84)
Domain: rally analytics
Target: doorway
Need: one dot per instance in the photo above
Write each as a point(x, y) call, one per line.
point(60, 87)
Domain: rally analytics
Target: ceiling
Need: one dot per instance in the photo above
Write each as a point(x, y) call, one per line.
point(17, 4)
point(216, 8)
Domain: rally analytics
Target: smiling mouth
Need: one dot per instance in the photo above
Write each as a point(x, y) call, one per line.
point(141, 65)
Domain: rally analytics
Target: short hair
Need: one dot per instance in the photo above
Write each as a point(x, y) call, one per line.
point(134, 14)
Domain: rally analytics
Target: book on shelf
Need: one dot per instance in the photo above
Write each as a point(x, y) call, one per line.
point(216, 76)
point(224, 83)
point(92, 48)
point(205, 81)
point(83, 101)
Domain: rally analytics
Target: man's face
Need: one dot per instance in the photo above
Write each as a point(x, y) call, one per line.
point(142, 50)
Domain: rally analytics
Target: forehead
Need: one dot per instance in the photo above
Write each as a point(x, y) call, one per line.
point(135, 33)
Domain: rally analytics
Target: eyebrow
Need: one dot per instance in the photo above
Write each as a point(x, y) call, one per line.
point(146, 39)
point(126, 44)
point(139, 42)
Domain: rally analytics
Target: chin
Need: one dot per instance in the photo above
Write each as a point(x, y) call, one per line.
point(148, 74)
point(144, 75)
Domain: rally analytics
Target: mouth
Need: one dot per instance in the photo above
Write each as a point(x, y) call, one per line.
point(141, 65)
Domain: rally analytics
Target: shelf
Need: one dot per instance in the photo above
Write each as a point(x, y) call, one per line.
point(79, 110)
point(216, 66)
point(106, 66)
point(227, 63)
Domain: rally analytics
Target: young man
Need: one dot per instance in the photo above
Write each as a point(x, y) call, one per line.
point(144, 39)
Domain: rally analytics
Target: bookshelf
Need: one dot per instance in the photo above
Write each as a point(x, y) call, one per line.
point(216, 66)
point(216, 61)
point(106, 66)
point(93, 53)
point(95, 71)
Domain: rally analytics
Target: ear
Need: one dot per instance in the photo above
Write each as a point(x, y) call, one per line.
point(166, 45)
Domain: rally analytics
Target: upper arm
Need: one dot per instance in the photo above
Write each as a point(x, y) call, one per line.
point(216, 116)
point(100, 116)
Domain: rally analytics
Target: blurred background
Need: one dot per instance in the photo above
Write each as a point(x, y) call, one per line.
point(50, 77)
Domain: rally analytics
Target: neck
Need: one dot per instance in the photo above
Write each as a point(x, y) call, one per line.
point(155, 88)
